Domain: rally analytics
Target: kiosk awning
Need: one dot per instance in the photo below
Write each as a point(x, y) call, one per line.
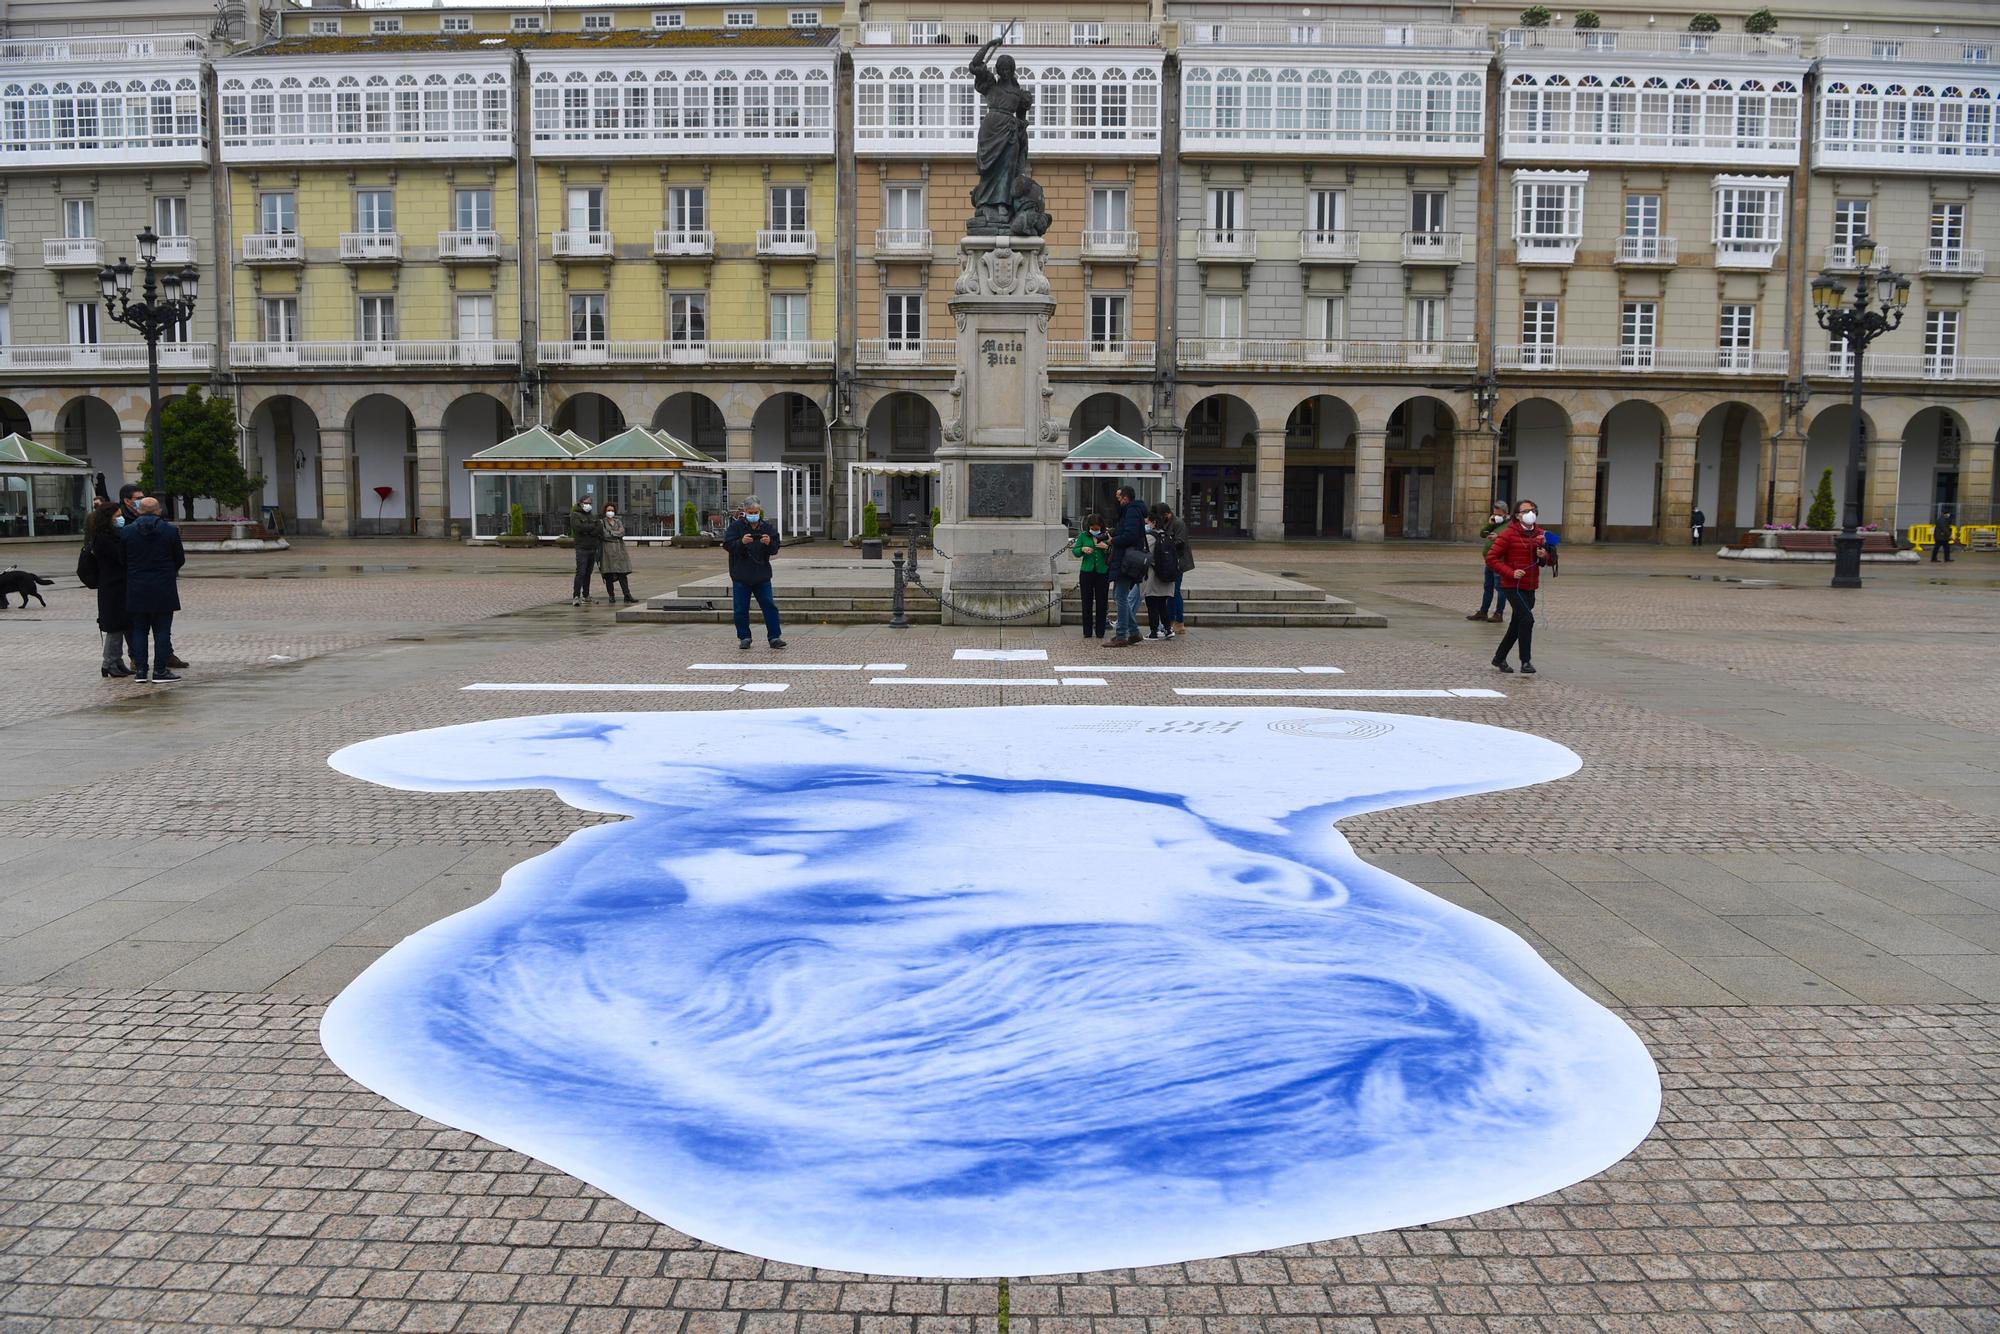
point(1110, 452)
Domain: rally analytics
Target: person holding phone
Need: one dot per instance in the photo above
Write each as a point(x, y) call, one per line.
point(1092, 548)
point(751, 543)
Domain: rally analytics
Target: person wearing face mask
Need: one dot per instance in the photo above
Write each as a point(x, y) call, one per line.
point(751, 543)
point(1489, 599)
point(615, 558)
point(1518, 552)
point(107, 553)
point(586, 534)
point(1092, 548)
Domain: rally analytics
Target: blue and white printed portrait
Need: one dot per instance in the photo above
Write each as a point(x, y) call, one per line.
point(970, 992)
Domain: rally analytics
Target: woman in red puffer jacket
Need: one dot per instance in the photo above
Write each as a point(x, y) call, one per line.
point(1518, 552)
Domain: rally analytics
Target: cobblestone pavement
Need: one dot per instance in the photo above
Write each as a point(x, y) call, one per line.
point(1780, 863)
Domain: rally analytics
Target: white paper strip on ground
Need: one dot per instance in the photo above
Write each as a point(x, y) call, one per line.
point(796, 666)
point(1275, 692)
point(609, 687)
point(1000, 655)
point(1205, 671)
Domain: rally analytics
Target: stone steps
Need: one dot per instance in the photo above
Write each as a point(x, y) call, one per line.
point(1325, 612)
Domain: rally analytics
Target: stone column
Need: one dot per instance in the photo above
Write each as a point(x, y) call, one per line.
point(1975, 482)
point(847, 446)
point(1787, 457)
point(737, 447)
point(1579, 512)
point(1884, 462)
point(1268, 519)
point(1472, 483)
point(1676, 488)
point(1371, 462)
point(336, 506)
point(433, 494)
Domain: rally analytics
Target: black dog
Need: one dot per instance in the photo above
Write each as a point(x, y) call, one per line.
point(17, 580)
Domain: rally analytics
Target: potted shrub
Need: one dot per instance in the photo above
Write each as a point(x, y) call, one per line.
point(1588, 19)
point(517, 529)
point(1760, 22)
point(871, 532)
point(1704, 23)
point(1536, 16)
point(1821, 515)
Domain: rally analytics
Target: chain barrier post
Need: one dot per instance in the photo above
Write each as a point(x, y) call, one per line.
point(897, 620)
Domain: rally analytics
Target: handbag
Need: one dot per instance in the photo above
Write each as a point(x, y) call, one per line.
point(1132, 565)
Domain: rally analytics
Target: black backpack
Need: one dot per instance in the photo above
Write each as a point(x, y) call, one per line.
point(1166, 557)
point(86, 566)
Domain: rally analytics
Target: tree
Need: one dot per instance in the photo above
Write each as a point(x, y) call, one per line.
point(517, 521)
point(690, 520)
point(1761, 21)
point(1704, 23)
point(871, 521)
point(1536, 16)
point(1821, 514)
point(1587, 18)
point(200, 436)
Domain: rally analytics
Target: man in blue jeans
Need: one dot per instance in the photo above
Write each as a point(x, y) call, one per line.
point(1128, 532)
point(751, 543)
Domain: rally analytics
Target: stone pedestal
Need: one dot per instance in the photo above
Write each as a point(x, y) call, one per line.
point(1000, 531)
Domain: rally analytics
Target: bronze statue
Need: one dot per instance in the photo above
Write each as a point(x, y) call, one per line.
point(1002, 153)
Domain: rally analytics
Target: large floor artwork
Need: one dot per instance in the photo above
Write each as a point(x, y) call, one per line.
point(966, 992)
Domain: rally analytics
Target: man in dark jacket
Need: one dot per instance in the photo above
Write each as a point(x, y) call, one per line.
point(153, 559)
point(586, 534)
point(751, 543)
point(1941, 536)
point(1128, 532)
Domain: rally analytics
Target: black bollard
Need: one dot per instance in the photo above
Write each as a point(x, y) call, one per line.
point(898, 621)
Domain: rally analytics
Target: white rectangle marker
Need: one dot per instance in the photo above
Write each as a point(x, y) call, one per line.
point(1275, 692)
point(962, 681)
point(795, 666)
point(1202, 671)
point(1000, 655)
point(618, 688)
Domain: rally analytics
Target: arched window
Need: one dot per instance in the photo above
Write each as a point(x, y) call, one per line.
point(1347, 104)
point(1319, 104)
point(1380, 98)
point(1198, 96)
point(1229, 104)
point(1291, 104)
point(757, 105)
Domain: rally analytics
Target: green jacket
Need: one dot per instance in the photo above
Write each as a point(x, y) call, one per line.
point(1486, 531)
point(1094, 562)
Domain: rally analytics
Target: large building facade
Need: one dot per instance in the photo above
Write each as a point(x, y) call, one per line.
point(1355, 269)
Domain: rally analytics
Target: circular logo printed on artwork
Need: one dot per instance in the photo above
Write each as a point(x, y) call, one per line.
point(1334, 729)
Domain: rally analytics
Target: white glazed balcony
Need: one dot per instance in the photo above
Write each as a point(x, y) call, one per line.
point(1546, 249)
point(6, 256)
point(1745, 254)
point(412, 352)
point(371, 248)
point(1322, 247)
point(908, 351)
point(1650, 42)
point(1645, 360)
point(903, 241)
point(580, 245)
point(1031, 32)
point(739, 352)
point(103, 356)
point(469, 247)
point(1086, 352)
point(1361, 354)
point(1278, 32)
point(1102, 244)
point(72, 252)
point(683, 243)
point(1229, 245)
point(273, 248)
point(777, 241)
point(176, 250)
point(1953, 260)
point(1905, 366)
point(1648, 250)
point(1433, 247)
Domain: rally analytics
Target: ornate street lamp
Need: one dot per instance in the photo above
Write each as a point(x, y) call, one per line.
point(1879, 298)
point(164, 305)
